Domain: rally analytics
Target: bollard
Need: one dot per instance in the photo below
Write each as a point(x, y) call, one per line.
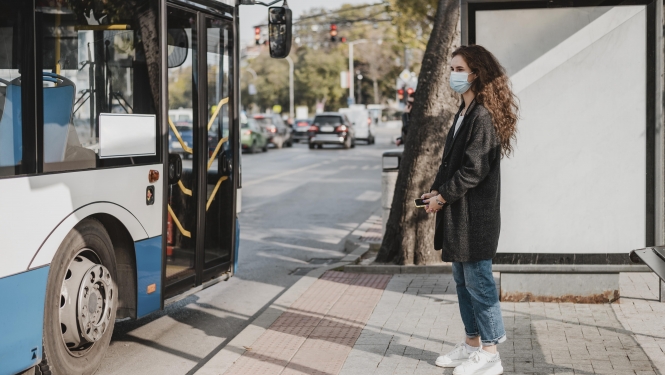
point(390, 162)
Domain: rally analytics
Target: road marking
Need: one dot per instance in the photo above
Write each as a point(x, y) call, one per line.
point(284, 174)
point(369, 196)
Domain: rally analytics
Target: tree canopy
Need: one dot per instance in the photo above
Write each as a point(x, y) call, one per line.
point(388, 27)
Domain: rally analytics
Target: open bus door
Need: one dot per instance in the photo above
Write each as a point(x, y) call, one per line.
point(202, 129)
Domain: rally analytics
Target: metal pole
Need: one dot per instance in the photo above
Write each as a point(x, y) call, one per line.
point(291, 95)
point(352, 73)
point(251, 71)
point(352, 80)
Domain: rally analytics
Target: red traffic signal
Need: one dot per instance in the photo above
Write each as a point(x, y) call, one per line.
point(410, 91)
point(257, 35)
point(400, 94)
point(343, 40)
point(333, 32)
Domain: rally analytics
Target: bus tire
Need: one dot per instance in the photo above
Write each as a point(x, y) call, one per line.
point(84, 262)
point(43, 368)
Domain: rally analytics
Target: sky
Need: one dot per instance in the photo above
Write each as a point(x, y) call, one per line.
point(251, 15)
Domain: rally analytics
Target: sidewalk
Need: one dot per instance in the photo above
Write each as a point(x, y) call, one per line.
point(349, 324)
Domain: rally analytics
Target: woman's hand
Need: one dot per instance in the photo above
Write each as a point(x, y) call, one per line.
point(429, 195)
point(433, 205)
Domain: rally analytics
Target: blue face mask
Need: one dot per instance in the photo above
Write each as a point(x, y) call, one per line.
point(459, 81)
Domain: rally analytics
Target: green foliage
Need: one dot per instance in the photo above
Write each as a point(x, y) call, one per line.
point(413, 20)
point(319, 62)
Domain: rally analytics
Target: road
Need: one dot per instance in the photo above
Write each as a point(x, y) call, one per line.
point(298, 206)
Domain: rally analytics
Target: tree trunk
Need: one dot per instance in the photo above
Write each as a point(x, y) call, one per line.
point(409, 237)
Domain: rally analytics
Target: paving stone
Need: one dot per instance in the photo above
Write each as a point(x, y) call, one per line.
point(348, 326)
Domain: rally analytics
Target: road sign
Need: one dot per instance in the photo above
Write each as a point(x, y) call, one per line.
point(405, 75)
point(344, 79)
point(350, 101)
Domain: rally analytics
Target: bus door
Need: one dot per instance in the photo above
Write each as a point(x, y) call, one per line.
point(201, 210)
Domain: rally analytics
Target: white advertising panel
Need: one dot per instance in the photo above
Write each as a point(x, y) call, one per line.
point(122, 135)
point(577, 180)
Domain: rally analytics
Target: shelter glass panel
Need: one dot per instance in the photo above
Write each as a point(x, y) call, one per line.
point(576, 182)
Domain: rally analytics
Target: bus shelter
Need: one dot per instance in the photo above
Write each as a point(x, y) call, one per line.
point(585, 184)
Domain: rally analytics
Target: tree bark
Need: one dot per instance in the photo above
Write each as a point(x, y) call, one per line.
point(409, 237)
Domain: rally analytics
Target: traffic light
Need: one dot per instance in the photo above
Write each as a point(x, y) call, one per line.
point(410, 91)
point(333, 32)
point(343, 39)
point(257, 35)
point(400, 94)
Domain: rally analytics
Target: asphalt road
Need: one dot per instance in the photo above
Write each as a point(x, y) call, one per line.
point(298, 206)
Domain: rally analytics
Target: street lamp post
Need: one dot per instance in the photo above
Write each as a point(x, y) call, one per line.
point(351, 71)
point(251, 71)
point(291, 94)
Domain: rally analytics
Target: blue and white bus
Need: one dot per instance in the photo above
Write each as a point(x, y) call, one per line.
point(119, 167)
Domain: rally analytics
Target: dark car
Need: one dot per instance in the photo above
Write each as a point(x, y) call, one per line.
point(278, 133)
point(185, 130)
point(331, 128)
point(301, 129)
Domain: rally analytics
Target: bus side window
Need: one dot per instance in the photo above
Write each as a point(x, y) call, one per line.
point(12, 152)
point(91, 65)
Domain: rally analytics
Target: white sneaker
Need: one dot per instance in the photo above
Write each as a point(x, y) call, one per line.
point(480, 363)
point(454, 358)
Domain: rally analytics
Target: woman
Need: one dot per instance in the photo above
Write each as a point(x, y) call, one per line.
point(466, 194)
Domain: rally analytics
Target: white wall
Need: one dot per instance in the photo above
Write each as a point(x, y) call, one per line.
point(576, 183)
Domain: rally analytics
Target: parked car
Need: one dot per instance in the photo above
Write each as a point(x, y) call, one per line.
point(183, 119)
point(300, 129)
point(253, 137)
point(331, 128)
point(362, 122)
point(278, 133)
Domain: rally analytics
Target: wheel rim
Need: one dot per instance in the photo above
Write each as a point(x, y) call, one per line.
point(86, 302)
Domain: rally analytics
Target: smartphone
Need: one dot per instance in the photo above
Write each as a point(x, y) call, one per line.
point(420, 202)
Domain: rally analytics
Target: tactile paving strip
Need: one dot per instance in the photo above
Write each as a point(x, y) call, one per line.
point(315, 335)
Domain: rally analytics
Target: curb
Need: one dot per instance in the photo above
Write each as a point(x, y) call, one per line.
point(505, 268)
point(226, 357)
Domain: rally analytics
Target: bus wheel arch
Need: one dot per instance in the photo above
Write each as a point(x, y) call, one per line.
point(125, 260)
point(87, 244)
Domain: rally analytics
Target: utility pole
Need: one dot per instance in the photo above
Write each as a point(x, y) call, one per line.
point(351, 70)
point(291, 94)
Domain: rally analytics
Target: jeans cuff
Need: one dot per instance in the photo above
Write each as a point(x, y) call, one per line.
point(472, 335)
point(495, 341)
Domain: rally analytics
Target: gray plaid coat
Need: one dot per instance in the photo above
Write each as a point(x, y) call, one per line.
point(469, 179)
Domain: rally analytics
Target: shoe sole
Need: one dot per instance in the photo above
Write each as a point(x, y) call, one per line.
point(448, 365)
point(487, 372)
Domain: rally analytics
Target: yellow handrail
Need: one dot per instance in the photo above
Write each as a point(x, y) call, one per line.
point(214, 191)
point(102, 27)
point(177, 135)
point(184, 189)
point(214, 154)
point(214, 115)
point(184, 232)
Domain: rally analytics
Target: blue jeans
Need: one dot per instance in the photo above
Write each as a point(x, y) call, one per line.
point(479, 301)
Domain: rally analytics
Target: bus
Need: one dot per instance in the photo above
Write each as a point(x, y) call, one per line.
point(119, 166)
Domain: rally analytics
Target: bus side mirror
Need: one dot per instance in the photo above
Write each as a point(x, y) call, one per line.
point(280, 32)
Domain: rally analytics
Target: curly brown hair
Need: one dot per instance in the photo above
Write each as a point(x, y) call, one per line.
point(493, 90)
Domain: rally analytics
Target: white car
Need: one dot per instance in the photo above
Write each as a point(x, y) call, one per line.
point(362, 122)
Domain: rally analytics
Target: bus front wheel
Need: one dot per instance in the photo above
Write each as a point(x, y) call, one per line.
point(81, 301)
